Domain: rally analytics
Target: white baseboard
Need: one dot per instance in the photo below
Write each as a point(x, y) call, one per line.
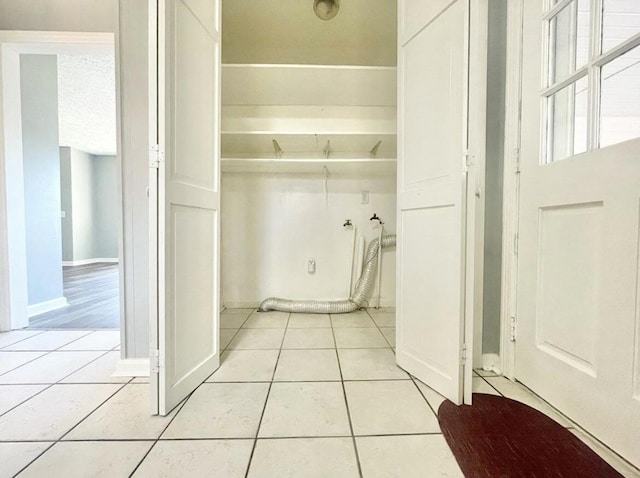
point(47, 306)
point(95, 260)
point(249, 304)
point(491, 363)
point(138, 367)
point(383, 303)
point(240, 304)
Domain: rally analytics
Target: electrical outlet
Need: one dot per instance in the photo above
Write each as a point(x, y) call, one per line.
point(311, 266)
point(63, 214)
point(364, 197)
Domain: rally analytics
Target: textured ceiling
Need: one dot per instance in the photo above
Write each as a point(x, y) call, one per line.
point(87, 103)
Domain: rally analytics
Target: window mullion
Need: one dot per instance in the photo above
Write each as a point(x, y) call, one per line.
point(575, 76)
point(595, 48)
point(553, 10)
point(547, 42)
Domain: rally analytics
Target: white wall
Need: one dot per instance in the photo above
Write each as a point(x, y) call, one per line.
point(105, 207)
point(134, 152)
point(90, 197)
point(82, 200)
point(273, 223)
point(66, 204)
point(41, 163)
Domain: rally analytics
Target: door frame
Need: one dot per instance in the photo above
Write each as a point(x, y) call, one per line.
point(13, 265)
point(511, 188)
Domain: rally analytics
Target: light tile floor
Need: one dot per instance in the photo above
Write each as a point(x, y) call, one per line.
point(295, 396)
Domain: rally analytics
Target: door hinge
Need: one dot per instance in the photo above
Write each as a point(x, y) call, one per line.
point(466, 160)
point(463, 354)
point(516, 240)
point(512, 327)
point(516, 160)
point(155, 156)
point(154, 359)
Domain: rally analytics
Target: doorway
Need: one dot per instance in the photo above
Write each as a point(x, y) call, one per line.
point(61, 228)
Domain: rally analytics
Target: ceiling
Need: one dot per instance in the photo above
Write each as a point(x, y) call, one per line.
point(288, 31)
point(87, 103)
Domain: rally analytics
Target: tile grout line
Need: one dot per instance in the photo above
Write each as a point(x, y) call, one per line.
point(45, 352)
point(489, 383)
point(378, 327)
point(49, 385)
point(179, 407)
point(227, 349)
point(411, 377)
point(532, 394)
point(230, 340)
point(70, 430)
point(21, 340)
point(61, 439)
point(58, 382)
point(166, 440)
point(266, 400)
point(26, 363)
point(346, 401)
point(318, 348)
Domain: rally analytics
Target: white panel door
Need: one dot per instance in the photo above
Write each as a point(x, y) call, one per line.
point(188, 197)
point(441, 93)
point(577, 314)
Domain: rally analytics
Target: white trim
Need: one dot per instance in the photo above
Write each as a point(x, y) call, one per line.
point(29, 37)
point(111, 260)
point(153, 140)
point(253, 304)
point(13, 255)
point(135, 367)
point(508, 306)
point(46, 306)
point(492, 363)
point(305, 66)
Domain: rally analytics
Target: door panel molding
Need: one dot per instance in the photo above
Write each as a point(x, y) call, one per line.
point(441, 132)
point(185, 192)
point(577, 267)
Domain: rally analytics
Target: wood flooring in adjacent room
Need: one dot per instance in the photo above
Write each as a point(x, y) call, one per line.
point(94, 303)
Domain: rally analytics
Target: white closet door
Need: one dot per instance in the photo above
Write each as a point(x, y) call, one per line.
point(187, 189)
point(440, 118)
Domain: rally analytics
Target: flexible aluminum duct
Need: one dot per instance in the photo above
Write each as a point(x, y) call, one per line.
point(357, 299)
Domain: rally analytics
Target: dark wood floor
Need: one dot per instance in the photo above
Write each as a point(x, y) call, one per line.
point(94, 300)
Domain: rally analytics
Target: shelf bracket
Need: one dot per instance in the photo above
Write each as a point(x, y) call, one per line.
point(374, 151)
point(327, 149)
point(277, 149)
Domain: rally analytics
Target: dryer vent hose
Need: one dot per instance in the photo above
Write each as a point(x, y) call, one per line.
point(357, 299)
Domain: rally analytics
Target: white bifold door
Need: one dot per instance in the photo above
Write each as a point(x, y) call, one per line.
point(184, 196)
point(578, 308)
point(441, 134)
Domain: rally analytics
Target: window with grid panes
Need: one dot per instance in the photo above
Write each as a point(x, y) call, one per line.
point(591, 90)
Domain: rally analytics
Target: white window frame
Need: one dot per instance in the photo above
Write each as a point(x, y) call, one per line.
point(592, 70)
